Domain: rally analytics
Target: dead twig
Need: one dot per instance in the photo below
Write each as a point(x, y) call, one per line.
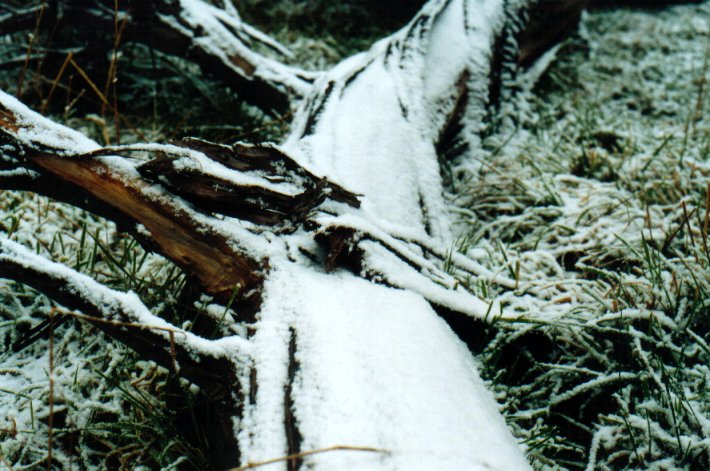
point(296, 456)
point(50, 420)
point(33, 37)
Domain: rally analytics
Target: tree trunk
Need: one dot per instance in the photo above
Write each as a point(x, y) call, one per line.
point(336, 240)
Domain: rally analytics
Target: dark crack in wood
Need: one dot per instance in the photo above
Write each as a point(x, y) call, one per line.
point(293, 434)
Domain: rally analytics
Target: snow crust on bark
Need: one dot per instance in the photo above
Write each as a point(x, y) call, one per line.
point(228, 38)
point(377, 368)
point(118, 306)
point(378, 115)
point(34, 128)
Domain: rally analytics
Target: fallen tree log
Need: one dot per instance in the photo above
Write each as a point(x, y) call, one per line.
point(335, 241)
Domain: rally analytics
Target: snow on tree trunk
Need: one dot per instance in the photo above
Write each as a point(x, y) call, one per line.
point(346, 347)
point(367, 365)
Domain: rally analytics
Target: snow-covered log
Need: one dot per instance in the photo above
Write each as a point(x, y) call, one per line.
point(336, 241)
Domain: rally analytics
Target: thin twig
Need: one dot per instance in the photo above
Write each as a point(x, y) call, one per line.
point(50, 420)
point(35, 33)
point(103, 99)
point(6, 463)
point(296, 456)
point(113, 67)
point(118, 323)
point(43, 110)
point(90, 82)
point(707, 209)
point(173, 355)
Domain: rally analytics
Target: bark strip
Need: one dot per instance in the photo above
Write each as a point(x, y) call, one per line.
point(293, 434)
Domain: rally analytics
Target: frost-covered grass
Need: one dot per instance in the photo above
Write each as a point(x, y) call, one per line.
point(599, 206)
point(159, 98)
point(108, 408)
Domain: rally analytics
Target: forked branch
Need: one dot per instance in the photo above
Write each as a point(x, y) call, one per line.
point(177, 209)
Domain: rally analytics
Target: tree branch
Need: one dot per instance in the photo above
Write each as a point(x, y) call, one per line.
point(214, 366)
point(549, 22)
point(124, 317)
point(222, 45)
point(214, 38)
point(165, 208)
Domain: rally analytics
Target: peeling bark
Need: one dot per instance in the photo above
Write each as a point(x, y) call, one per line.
point(162, 221)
